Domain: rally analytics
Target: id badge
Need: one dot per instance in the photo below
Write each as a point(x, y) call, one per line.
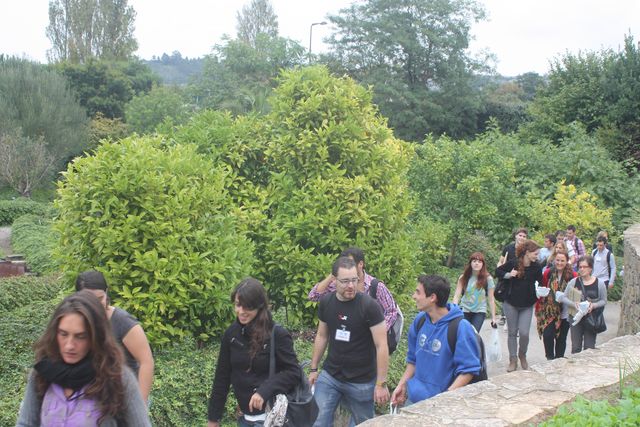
point(342, 335)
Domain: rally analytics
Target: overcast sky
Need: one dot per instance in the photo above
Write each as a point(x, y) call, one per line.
point(524, 35)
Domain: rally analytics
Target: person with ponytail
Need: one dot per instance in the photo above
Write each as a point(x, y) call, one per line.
point(243, 361)
point(79, 378)
point(552, 315)
point(522, 273)
point(474, 290)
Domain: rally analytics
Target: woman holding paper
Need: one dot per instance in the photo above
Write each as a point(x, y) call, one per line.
point(552, 316)
point(591, 293)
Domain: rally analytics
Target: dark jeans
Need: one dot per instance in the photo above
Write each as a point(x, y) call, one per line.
point(476, 319)
point(554, 348)
point(582, 334)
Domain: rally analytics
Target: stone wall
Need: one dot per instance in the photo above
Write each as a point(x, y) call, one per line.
point(630, 308)
point(524, 397)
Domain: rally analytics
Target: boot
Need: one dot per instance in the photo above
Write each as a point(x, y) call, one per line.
point(523, 361)
point(513, 364)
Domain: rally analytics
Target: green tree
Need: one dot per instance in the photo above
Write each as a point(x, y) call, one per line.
point(239, 77)
point(256, 18)
point(145, 111)
point(106, 87)
point(81, 30)
point(337, 179)
point(414, 54)
point(467, 186)
point(36, 106)
point(505, 103)
point(159, 223)
point(26, 163)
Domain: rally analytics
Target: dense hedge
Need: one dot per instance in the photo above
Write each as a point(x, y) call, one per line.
point(12, 209)
point(33, 237)
point(26, 303)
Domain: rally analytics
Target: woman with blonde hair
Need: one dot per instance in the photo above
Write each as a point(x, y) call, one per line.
point(79, 378)
point(474, 290)
point(521, 275)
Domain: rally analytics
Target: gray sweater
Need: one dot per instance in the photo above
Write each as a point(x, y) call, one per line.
point(602, 294)
point(134, 414)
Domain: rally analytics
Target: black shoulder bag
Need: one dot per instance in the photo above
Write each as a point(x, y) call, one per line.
point(595, 319)
point(302, 409)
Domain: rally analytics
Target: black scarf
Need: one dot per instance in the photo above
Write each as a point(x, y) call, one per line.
point(65, 375)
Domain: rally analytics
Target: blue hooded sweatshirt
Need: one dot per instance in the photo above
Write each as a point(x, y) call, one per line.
point(436, 367)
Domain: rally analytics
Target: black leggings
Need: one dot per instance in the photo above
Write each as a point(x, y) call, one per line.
point(554, 348)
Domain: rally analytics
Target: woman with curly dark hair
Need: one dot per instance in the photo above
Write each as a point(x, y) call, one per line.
point(521, 275)
point(474, 291)
point(243, 361)
point(79, 378)
point(552, 315)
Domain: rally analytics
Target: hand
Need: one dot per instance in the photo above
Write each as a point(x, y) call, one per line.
point(610, 285)
point(313, 377)
point(381, 394)
point(590, 308)
point(399, 395)
point(514, 273)
point(256, 403)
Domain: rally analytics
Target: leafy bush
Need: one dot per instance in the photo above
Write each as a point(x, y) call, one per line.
point(12, 209)
point(476, 242)
point(337, 180)
point(569, 206)
point(19, 291)
point(19, 330)
point(624, 412)
point(33, 237)
point(161, 226)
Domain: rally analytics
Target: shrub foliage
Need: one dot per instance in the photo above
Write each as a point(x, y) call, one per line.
point(160, 224)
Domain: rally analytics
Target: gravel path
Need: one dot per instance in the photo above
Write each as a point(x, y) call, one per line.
point(5, 240)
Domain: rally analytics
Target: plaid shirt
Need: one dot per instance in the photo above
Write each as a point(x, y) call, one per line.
point(383, 296)
point(578, 246)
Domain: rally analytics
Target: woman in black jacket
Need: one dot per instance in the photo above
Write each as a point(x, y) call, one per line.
point(243, 361)
point(522, 273)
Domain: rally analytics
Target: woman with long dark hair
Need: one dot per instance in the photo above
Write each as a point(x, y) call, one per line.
point(522, 273)
point(126, 330)
point(474, 290)
point(243, 361)
point(79, 378)
point(551, 315)
point(593, 290)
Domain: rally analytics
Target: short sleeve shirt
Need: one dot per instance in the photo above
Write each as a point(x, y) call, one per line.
point(474, 299)
point(121, 324)
point(352, 353)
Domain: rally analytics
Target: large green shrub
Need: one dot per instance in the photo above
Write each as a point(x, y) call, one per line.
point(337, 180)
point(161, 226)
point(33, 237)
point(19, 291)
point(12, 209)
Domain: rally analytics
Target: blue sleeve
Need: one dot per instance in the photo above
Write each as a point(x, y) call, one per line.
point(466, 359)
point(412, 338)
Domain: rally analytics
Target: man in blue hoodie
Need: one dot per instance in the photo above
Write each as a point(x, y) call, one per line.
point(432, 367)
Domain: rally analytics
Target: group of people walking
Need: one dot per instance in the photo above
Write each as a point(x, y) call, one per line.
point(94, 365)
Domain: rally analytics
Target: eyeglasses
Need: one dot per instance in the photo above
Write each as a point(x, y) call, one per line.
point(353, 280)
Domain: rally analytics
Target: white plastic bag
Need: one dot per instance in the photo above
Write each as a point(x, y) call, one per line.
point(393, 409)
point(494, 351)
point(582, 311)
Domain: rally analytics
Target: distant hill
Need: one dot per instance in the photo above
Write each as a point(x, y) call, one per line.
point(174, 69)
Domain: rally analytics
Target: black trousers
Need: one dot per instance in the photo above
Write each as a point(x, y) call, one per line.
point(554, 348)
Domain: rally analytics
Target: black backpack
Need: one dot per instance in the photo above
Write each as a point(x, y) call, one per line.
point(452, 338)
point(395, 331)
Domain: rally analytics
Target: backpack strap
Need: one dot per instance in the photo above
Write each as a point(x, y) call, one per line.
point(373, 289)
point(452, 333)
point(272, 352)
point(421, 321)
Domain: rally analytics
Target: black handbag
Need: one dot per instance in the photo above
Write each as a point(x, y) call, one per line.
point(594, 320)
point(302, 409)
point(502, 290)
